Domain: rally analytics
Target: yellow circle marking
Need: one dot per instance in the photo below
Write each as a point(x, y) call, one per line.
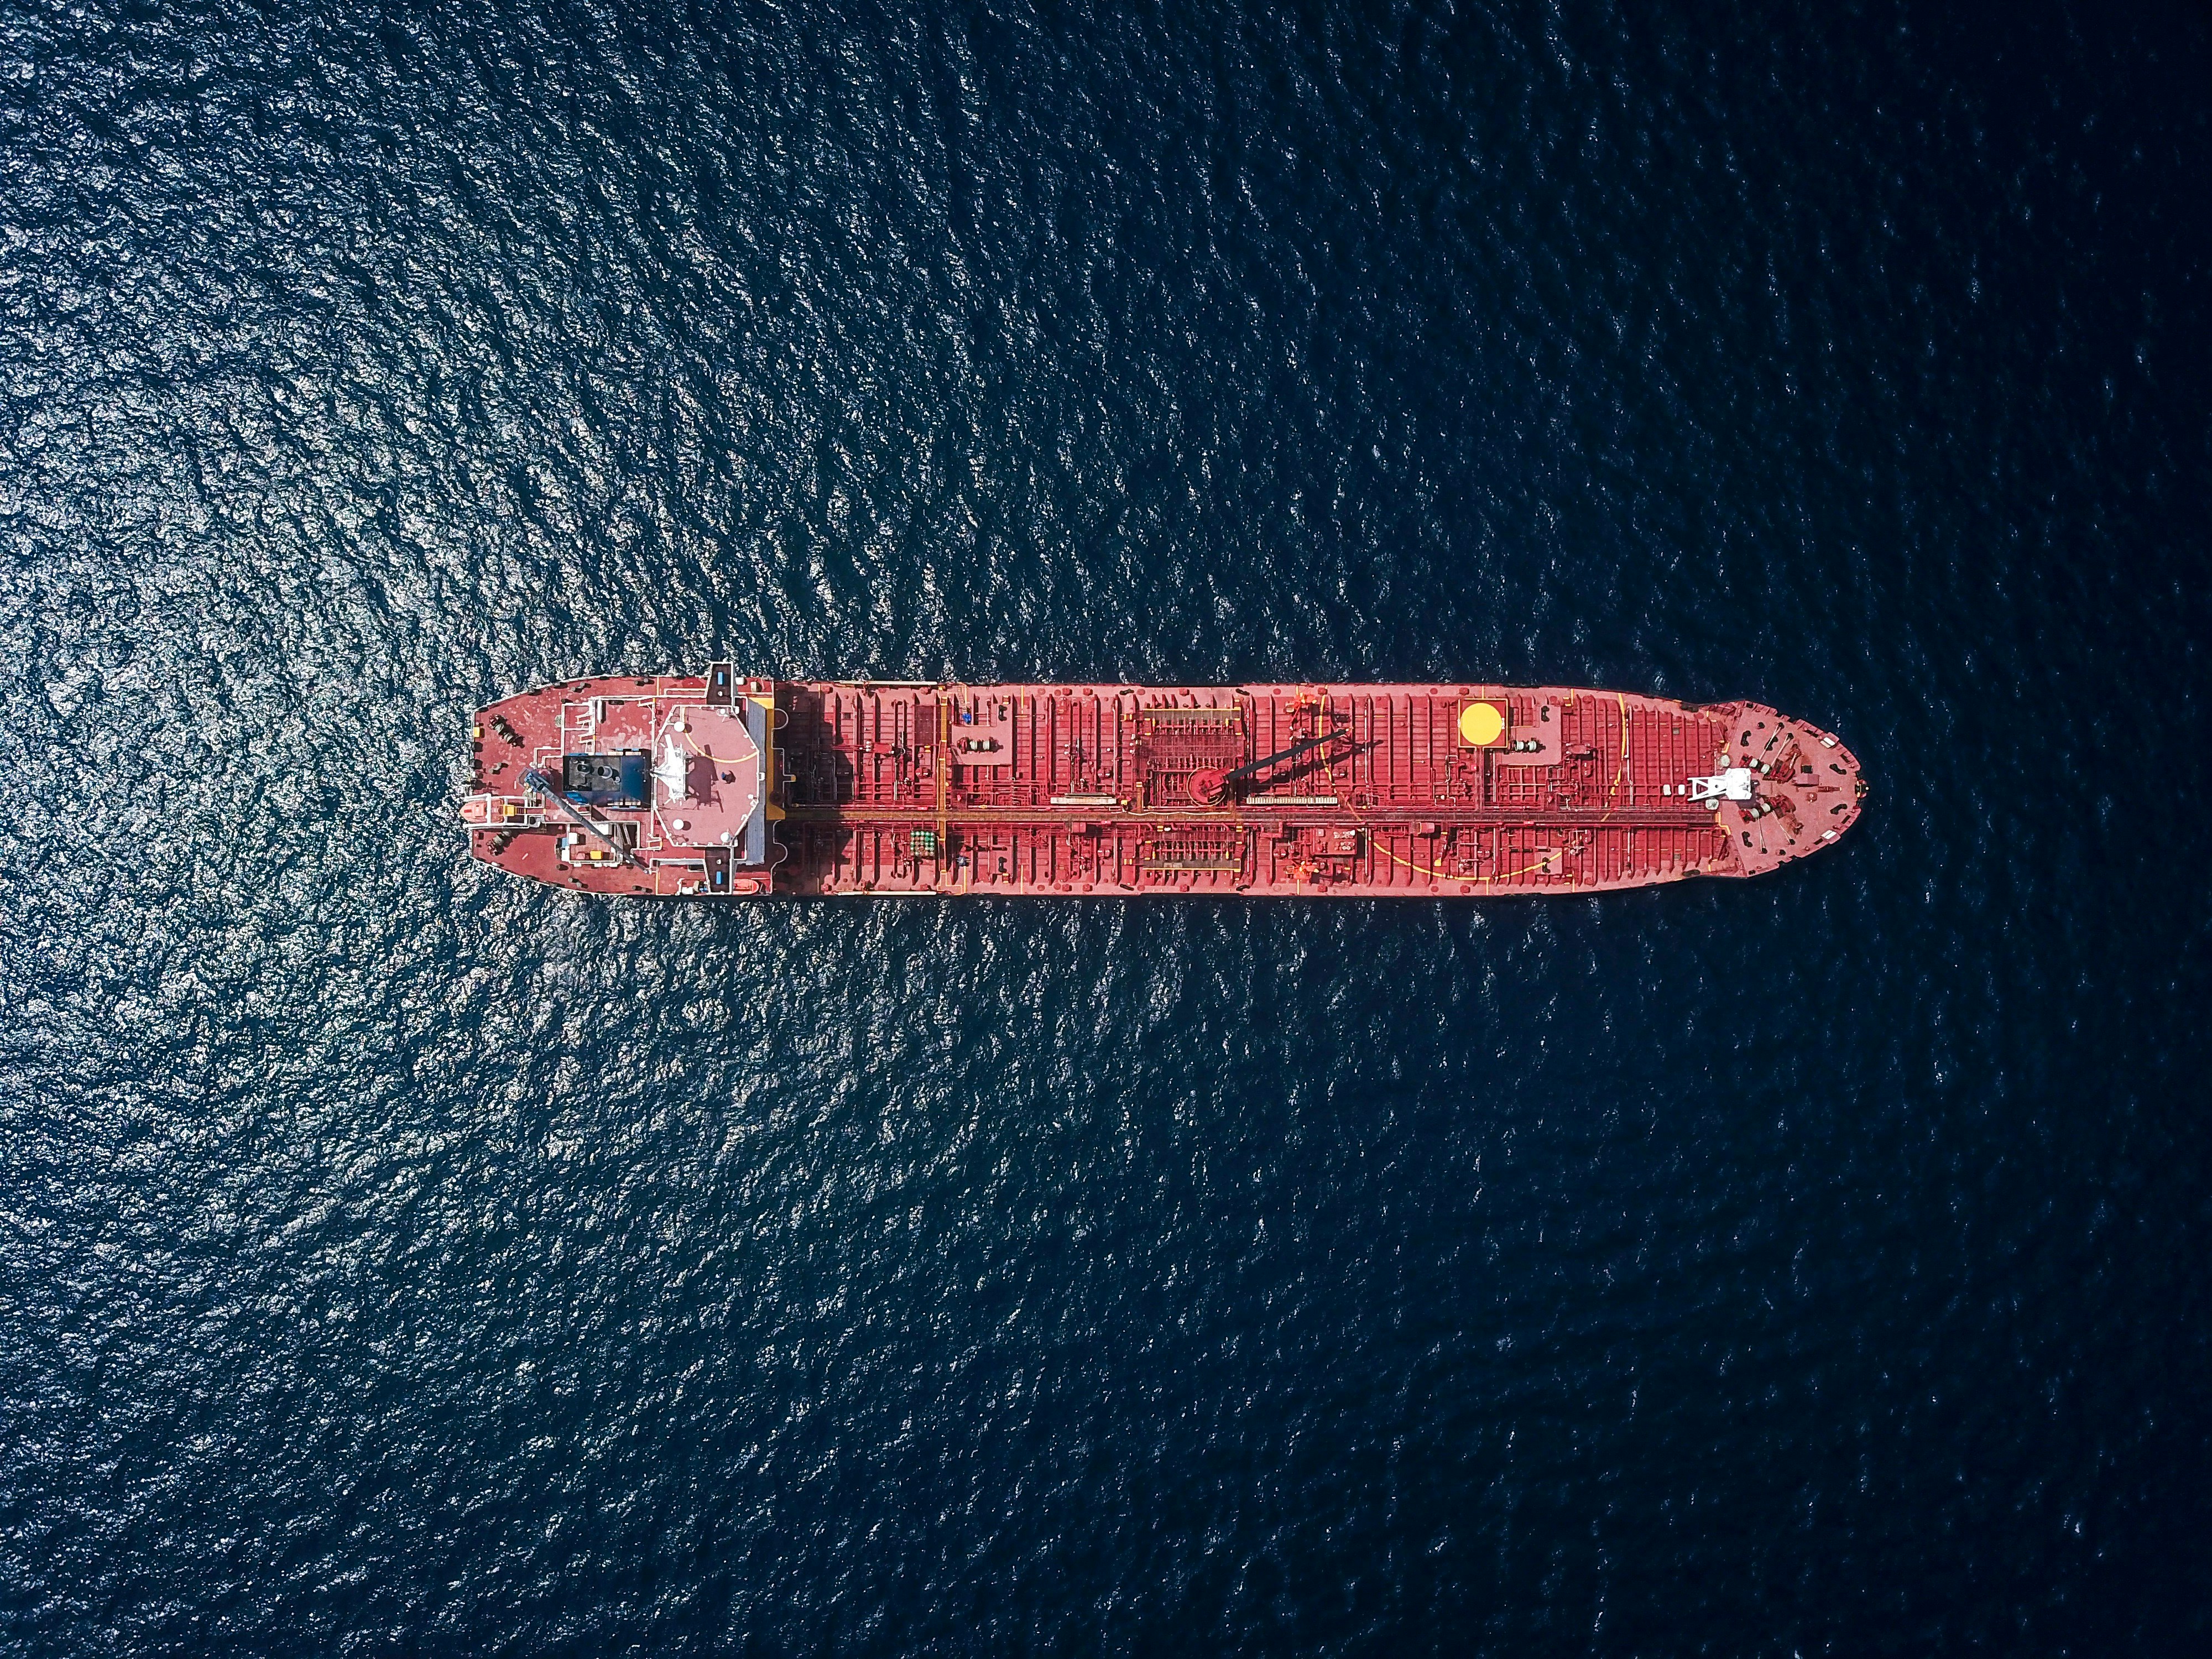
point(1481, 724)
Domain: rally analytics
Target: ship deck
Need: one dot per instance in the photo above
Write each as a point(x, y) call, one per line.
point(1379, 790)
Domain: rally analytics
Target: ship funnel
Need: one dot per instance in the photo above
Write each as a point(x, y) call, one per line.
point(672, 774)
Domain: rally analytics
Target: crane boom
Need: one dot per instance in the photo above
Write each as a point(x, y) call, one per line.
point(1252, 769)
point(543, 786)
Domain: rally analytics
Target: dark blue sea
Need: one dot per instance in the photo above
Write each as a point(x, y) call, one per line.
point(395, 1259)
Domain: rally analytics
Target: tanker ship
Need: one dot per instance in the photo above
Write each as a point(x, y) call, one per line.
point(710, 785)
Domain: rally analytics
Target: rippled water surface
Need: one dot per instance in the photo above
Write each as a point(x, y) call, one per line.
point(397, 1259)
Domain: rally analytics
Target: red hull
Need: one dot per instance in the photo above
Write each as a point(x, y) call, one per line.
point(704, 785)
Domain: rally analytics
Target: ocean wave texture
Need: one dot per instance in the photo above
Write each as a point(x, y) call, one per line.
point(394, 1259)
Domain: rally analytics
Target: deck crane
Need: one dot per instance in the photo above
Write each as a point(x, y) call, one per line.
point(1213, 787)
point(544, 786)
